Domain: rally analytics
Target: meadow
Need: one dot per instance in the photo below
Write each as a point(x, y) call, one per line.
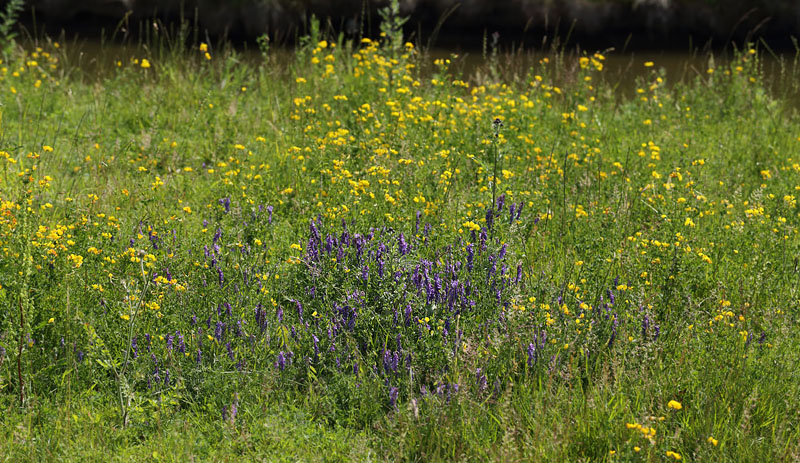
point(345, 257)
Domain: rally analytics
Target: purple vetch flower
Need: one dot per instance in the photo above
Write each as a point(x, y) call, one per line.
point(502, 252)
point(393, 392)
point(387, 362)
point(355, 368)
point(166, 377)
point(470, 256)
point(221, 277)
point(407, 314)
point(492, 268)
point(153, 239)
point(416, 227)
point(269, 210)
point(280, 314)
point(613, 332)
point(519, 274)
point(230, 351)
point(199, 356)
point(219, 331)
point(134, 349)
point(314, 232)
point(500, 201)
point(226, 203)
point(519, 211)
point(531, 353)
point(489, 218)
point(481, 380)
point(315, 340)
point(299, 309)
point(217, 235)
point(402, 246)
point(280, 362)
point(658, 332)
point(181, 344)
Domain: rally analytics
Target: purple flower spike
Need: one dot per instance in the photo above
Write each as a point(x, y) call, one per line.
point(402, 246)
point(531, 354)
point(500, 201)
point(226, 203)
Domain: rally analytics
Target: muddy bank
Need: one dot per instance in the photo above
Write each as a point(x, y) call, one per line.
point(590, 23)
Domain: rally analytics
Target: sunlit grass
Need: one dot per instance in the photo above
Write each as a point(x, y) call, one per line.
point(310, 257)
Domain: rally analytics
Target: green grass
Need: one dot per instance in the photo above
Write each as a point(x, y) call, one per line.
point(346, 312)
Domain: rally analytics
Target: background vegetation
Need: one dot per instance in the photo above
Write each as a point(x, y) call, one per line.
point(596, 24)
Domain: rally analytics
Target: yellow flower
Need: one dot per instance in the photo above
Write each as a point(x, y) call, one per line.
point(471, 226)
point(145, 63)
point(674, 404)
point(712, 441)
point(52, 320)
point(203, 47)
point(674, 455)
point(125, 317)
point(77, 260)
